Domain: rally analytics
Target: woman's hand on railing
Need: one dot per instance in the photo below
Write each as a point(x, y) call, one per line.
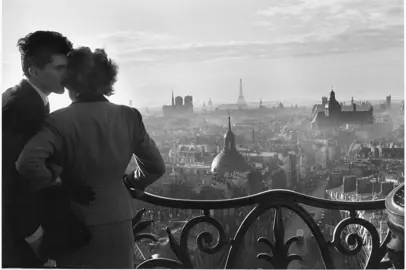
point(134, 192)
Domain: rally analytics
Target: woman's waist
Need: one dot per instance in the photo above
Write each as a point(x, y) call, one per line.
point(94, 181)
point(109, 205)
point(104, 190)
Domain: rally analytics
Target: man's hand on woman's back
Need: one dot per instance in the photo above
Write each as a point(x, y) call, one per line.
point(83, 195)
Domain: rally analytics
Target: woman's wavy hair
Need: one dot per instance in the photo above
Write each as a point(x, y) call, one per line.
point(91, 72)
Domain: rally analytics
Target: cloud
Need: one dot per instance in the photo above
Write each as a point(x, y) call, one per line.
point(133, 39)
point(353, 40)
point(298, 28)
point(118, 42)
point(332, 14)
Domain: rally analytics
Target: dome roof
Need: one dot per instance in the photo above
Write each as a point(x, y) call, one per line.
point(229, 161)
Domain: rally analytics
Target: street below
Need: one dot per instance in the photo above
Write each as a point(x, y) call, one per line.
point(296, 223)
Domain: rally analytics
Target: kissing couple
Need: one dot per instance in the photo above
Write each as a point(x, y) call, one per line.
point(65, 200)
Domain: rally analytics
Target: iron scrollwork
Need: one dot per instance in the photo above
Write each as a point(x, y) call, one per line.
point(278, 254)
point(378, 250)
point(279, 258)
point(204, 242)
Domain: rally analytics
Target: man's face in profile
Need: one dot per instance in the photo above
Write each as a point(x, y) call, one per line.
point(53, 74)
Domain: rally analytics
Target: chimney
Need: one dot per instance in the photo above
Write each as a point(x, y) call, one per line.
point(379, 150)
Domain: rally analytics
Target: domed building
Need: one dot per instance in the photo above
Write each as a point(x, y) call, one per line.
point(232, 169)
point(229, 160)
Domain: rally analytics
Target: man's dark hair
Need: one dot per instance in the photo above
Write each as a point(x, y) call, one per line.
point(91, 72)
point(38, 48)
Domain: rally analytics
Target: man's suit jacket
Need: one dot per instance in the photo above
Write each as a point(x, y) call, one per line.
point(23, 114)
point(93, 140)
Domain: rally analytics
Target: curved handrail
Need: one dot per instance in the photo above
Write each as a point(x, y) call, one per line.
point(261, 202)
point(261, 198)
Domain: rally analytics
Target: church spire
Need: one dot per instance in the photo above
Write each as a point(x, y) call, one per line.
point(229, 122)
point(229, 137)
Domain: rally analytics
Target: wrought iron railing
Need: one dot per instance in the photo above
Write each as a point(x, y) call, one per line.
point(277, 246)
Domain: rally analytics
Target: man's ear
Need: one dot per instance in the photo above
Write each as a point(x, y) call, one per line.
point(33, 71)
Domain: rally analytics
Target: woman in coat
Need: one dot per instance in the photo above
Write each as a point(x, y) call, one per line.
point(93, 141)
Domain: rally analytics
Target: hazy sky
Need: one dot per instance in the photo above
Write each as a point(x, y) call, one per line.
point(282, 49)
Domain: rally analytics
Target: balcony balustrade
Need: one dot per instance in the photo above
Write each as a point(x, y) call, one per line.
point(275, 245)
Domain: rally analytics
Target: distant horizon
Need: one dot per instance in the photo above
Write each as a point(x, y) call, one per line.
point(283, 50)
point(305, 103)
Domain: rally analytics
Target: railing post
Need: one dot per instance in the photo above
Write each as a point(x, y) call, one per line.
point(395, 209)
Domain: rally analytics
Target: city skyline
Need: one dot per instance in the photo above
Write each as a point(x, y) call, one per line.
point(281, 50)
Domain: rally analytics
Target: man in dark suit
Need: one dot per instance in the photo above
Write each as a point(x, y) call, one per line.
point(25, 106)
point(93, 140)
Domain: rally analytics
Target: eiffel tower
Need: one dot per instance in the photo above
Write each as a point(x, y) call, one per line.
point(241, 100)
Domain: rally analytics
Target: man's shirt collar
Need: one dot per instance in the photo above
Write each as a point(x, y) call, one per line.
point(40, 93)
